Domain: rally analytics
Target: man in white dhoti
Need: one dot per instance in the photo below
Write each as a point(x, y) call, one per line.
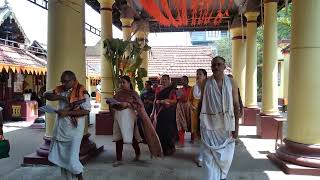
point(74, 106)
point(219, 121)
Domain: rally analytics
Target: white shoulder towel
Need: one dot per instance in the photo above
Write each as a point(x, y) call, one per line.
point(217, 108)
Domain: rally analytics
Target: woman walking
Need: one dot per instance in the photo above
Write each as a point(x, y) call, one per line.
point(125, 108)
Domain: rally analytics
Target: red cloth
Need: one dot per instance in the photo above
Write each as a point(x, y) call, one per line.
point(77, 93)
point(172, 95)
point(151, 136)
point(76, 96)
point(185, 94)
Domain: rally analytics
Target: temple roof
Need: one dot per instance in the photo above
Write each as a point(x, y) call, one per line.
point(20, 59)
point(175, 61)
point(5, 13)
point(93, 60)
point(178, 61)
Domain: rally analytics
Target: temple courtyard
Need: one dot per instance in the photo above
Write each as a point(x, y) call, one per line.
point(250, 161)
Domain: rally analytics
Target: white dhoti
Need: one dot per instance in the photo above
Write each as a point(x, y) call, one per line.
point(217, 121)
point(66, 155)
point(218, 150)
point(66, 141)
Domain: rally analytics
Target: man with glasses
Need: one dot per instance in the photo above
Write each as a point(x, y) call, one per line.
point(74, 106)
point(218, 121)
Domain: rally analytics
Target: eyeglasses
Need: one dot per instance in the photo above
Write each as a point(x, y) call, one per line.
point(217, 64)
point(64, 81)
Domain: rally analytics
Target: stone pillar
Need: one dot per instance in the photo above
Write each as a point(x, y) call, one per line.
point(302, 143)
point(286, 75)
point(106, 70)
point(141, 29)
point(250, 106)
point(266, 120)
point(60, 56)
point(284, 80)
point(270, 59)
point(251, 64)
point(239, 57)
point(66, 51)
point(104, 121)
point(280, 76)
point(126, 28)
point(127, 18)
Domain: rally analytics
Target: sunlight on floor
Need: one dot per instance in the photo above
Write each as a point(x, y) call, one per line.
point(12, 126)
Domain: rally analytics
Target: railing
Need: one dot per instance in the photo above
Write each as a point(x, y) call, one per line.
point(44, 4)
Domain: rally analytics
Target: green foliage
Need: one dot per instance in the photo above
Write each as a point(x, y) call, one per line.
point(224, 49)
point(141, 73)
point(114, 52)
point(284, 32)
point(125, 60)
point(259, 45)
point(284, 23)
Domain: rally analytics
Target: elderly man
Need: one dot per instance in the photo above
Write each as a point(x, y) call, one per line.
point(74, 106)
point(219, 121)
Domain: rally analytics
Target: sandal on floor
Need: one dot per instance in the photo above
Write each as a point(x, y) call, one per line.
point(117, 163)
point(199, 163)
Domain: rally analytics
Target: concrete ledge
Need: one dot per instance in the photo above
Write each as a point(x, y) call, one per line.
point(34, 158)
point(290, 168)
point(88, 150)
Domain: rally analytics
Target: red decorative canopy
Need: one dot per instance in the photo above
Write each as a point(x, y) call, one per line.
point(202, 11)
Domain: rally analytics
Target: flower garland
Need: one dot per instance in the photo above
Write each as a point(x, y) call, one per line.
point(194, 8)
point(207, 17)
point(167, 12)
point(200, 10)
point(152, 8)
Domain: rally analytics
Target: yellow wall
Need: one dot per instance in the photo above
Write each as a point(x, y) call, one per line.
point(28, 80)
point(280, 88)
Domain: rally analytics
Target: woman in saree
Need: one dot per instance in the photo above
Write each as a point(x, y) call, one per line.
point(195, 103)
point(125, 107)
point(183, 111)
point(164, 115)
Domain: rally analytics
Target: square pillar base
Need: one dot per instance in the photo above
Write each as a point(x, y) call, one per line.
point(88, 150)
point(267, 126)
point(290, 168)
point(249, 116)
point(104, 123)
point(34, 158)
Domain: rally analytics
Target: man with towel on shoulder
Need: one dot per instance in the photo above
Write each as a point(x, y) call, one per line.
point(219, 121)
point(74, 106)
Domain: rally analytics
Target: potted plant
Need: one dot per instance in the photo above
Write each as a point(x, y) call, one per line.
point(125, 58)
